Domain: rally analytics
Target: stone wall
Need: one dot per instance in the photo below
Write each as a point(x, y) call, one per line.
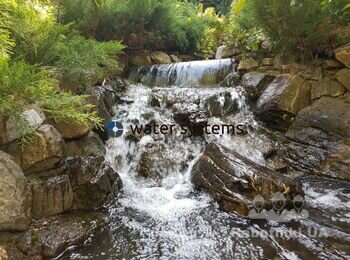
point(307, 106)
point(61, 170)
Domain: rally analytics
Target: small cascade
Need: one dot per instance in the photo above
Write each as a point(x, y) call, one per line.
point(194, 73)
point(160, 215)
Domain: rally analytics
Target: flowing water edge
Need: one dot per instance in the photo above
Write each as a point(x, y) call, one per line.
point(164, 217)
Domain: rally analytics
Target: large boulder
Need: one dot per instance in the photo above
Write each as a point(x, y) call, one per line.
point(8, 126)
point(326, 87)
point(88, 145)
point(247, 64)
point(226, 52)
point(255, 83)
point(343, 55)
point(326, 121)
point(52, 236)
point(51, 195)
point(92, 181)
point(15, 196)
point(140, 60)
point(337, 164)
point(343, 76)
point(159, 57)
point(317, 136)
point(70, 129)
point(44, 151)
point(234, 180)
point(282, 100)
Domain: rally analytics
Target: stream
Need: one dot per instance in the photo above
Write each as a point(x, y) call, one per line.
point(164, 217)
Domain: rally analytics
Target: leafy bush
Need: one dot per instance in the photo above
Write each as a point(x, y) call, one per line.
point(22, 85)
point(86, 59)
point(213, 33)
point(168, 24)
point(300, 27)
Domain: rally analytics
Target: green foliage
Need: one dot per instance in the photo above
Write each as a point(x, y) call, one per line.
point(240, 29)
point(213, 33)
point(23, 85)
point(87, 59)
point(35, 32)
point(299, 27)
point(157, 24)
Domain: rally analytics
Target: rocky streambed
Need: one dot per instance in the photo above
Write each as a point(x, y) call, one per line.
point(189, 194)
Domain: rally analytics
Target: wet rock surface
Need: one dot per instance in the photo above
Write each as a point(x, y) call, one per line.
point(234, 180)
point(191, 116)
point(51, 195)
point(255, 83)
point(88, 145)
point(282, 100)
point(51, 236)
point(92, 181)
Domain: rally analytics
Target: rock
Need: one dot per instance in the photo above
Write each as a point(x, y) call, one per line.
point(226, 52)
point(45, 150)
point(50, 237)
point(221, 104)
point(104, 98)
point(292, 68)
point(140, 60)
point(159, 57)
point(282, 100)
point(255, 83)
point(157, 161)
point(234, 180)
point(191, 116)
point(311, 73)
point(248, 64)
point(174, 58)
point(343, 76)
point(317, 135)
point(231, 80)
point(69, 129)
point(86, 146)
point(268, 61)
point(15, 196)
point(322, 124)
point(51, 195)
point(8, 126)
point(337, 165)
point(326, 87)
point(91, 180)
point(342, 54)
point(331, 64)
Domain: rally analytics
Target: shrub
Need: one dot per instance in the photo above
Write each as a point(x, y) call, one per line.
point(299, 27)
point(23, 85)
point(86, 59)
point(167, 24)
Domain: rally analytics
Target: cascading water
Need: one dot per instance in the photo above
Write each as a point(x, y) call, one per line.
point(161, 216)
point(192, 73)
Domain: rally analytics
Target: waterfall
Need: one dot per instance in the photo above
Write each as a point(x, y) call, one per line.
point(159, 214)
point(194, 73)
